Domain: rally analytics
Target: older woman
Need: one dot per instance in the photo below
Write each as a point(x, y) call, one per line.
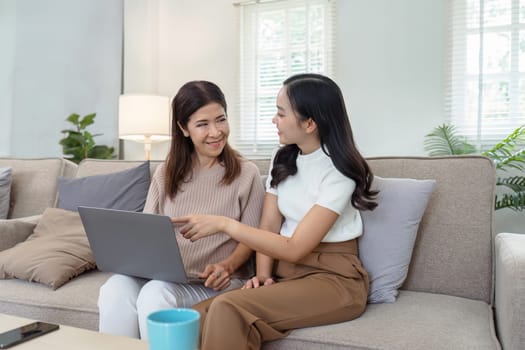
point(202, 174)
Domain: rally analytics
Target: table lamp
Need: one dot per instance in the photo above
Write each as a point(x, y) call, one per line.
point(144, 118)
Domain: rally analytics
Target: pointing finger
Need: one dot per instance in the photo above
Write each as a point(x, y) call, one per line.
point(180, 219)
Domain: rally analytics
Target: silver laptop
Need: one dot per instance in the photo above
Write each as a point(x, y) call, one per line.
point(134, 243)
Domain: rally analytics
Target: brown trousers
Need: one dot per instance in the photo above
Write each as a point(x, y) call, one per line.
point(327, 286)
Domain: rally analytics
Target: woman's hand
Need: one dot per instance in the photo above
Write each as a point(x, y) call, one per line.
point(195, 227)
point(217, 277)
point(258, 281)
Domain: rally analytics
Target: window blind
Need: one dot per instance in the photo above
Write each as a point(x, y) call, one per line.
point(485, 84)
point(278, 38)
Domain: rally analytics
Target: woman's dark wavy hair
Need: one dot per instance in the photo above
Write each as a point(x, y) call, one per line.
point(318, 97)
point(179, 163)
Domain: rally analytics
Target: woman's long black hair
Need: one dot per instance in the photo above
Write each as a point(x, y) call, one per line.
point(318, 97)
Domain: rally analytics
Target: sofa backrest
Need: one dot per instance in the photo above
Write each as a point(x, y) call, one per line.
point(34, 183)
point(89, 167)
point(453, 250)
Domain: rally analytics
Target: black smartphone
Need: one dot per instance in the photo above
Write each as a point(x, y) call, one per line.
point(24, 333)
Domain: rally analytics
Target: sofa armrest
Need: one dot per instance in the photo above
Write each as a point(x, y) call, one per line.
point(510, 290)
point(13, 231)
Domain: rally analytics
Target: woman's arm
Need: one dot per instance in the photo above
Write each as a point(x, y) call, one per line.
point(251, 195)
point(271, 221)
point(308, 234)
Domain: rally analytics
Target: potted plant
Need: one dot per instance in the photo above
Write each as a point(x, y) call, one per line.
point(507, 154)
point(79, 143)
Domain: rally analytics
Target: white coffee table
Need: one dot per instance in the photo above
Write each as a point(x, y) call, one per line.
point(70, 338)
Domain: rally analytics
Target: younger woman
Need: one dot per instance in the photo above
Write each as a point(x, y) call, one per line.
point(202, 174)
point(308, 270)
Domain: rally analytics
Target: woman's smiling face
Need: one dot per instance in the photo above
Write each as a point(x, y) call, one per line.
point(208, 129)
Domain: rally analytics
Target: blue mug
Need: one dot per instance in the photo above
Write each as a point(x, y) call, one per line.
point(171, 329)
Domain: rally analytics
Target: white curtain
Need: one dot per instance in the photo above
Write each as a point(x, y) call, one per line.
point(278, 39)
point(485, 85)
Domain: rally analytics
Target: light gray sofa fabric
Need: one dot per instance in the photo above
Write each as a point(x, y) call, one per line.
point(445, 303)
point(510, 289)
point(73, 304)
point(453, 251)
point(415, 321)
point(89, 167)
point(34, 183)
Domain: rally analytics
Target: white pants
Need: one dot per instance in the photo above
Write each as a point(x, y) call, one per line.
point(125, 302)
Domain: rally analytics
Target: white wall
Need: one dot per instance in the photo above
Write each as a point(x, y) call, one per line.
point(189, 40)
point(7, 40)
point(507, 220)
point(61, 57)
point(390, 68)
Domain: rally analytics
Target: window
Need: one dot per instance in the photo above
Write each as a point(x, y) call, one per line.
point(279, 38)
point(486, 68)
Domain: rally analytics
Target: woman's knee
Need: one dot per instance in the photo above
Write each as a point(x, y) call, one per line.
point(118, 289)
point(222, 302)
point(153, 296)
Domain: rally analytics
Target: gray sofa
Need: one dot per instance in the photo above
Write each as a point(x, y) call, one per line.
point(465, 288)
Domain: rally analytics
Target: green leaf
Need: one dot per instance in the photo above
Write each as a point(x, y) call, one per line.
point(79, 144)
point(73, 118)
point(443, 140)
point(69, 142)
point(510, 151)
point(78, 138)
point(515, 201)
point(87, 135)
point(101, 152)
point(70, 131)
point(87, 120)
point(507, 154)
point(513, 183)
point(506, 159)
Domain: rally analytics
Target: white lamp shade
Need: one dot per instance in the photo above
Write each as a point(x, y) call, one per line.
point(144, 118)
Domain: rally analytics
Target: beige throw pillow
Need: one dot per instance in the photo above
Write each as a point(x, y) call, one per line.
point(57, 251)
point(14, 231)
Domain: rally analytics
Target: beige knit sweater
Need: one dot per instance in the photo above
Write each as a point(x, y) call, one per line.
point(204, 194)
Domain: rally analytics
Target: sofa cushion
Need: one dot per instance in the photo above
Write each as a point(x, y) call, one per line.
point(416, 321)
point(73, 304)
point(124, 190)
point(57, 251)
point(5, 190)
point(14, 231)
point(510, 289)
point(454, 237)
point(389, 233)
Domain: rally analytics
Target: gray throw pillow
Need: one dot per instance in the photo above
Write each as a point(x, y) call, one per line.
point(389, 234)
point(123, 190)
point(5, 191)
